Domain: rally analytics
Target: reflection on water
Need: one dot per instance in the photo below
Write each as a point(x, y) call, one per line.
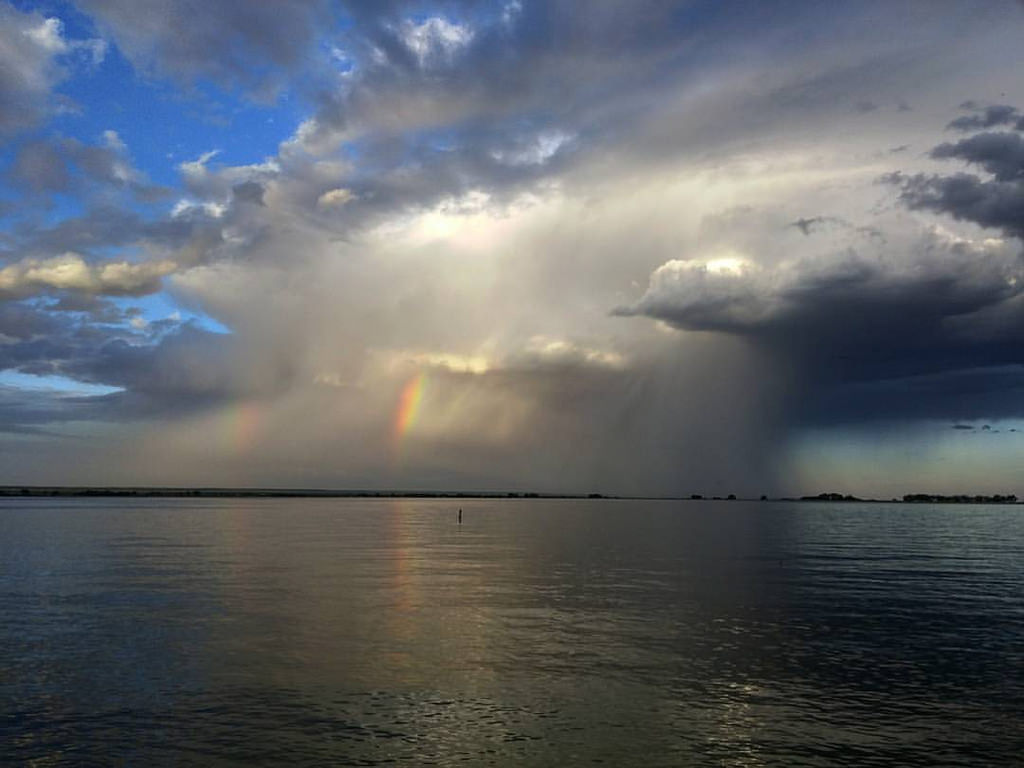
point(367, 632)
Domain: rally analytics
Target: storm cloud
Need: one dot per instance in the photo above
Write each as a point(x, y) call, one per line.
point(637, 249)
point(927, 329)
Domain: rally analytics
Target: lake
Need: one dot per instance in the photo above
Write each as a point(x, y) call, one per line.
point(538, 632)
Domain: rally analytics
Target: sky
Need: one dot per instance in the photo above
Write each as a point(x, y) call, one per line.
point(622, 246)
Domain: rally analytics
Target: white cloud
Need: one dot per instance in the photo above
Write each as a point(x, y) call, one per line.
point(213, 209)
point(537, 151)
point(48, 35)
point(335, 198)
point(197, 168)
point(29, 47)
point(435, 40)
point(556, 351)
point(449, 361)
point(35, 55)
point(510, 13)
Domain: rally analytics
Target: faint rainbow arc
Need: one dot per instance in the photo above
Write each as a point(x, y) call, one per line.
point(241, 425)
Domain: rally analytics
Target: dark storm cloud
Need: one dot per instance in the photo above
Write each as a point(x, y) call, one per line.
point(870, 341)
point(936, 333)
point(987, 117)
point(996, 202)
point(964, 196)
point(971, 393)
point(847, 310)
point(1000, 154)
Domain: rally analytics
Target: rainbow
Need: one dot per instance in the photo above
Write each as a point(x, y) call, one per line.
point(409, 402)
point(241, 425)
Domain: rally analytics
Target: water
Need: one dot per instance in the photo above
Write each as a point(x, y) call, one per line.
point(371, 632)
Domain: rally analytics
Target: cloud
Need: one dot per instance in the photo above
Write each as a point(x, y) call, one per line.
point(988, 203)
point(35, 56)
point(909, 327)
point(249, 192)
point(472, 188)
point(70, 272)
point(996, 202)
point(159, 368)
point(31, 412)
point(533, 150)
point(232, 42)
point(109, 226)
point(474, 69)
point(182, 369)
point(809, 225)
point(30, 46)
point(434, 41)
point(1000, 154)
point(846, 299)
point(335, 198)
point(987, 117)
point(67, 165)
point(870, 337)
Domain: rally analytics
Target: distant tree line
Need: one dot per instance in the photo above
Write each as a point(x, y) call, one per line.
point(937, 498)
point(830, 497)
point(923, 498)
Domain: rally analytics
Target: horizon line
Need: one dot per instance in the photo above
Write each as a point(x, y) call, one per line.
point(25, 490)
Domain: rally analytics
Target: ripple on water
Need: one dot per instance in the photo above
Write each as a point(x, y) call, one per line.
point(360, 632)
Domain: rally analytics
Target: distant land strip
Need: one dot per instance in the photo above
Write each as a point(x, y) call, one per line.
point(29, 490)
point(172, 492)
point(921, 498)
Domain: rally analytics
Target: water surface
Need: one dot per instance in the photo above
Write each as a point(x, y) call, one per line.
point(539, 632)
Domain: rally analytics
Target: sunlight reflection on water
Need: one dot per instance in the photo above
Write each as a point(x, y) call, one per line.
point(539, 632)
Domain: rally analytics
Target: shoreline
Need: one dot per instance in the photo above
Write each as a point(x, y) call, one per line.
point(30, 491)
